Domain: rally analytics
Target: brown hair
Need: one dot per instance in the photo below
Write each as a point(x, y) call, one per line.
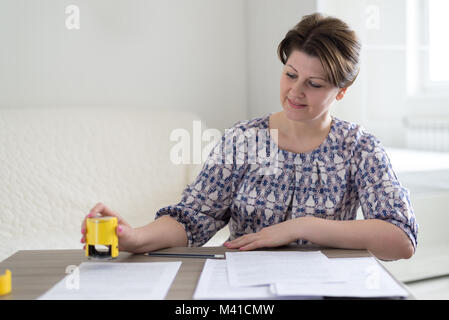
point(329, 39)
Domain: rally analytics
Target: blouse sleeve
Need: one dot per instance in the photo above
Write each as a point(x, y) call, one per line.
point(380, 193)
point(205, 203)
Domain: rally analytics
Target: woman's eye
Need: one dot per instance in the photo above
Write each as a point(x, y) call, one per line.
point(312, 84)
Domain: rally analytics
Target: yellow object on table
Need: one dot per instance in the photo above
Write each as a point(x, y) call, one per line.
point(101, 232)
point(5, 283)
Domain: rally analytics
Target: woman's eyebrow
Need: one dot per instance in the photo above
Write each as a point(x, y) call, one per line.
point(289, 65)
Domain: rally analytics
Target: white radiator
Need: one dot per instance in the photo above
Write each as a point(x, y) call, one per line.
point(427, 133)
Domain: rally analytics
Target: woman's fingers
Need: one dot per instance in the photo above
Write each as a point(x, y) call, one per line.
point(97, 211)
point(241, 241)
point(234, 243)
point(261, 239)
point(126, 237)
point(92, 213)
point(253, 245)
point(101, 209)
point(125, 232)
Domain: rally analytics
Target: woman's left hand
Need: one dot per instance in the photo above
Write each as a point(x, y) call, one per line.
point(273, 236)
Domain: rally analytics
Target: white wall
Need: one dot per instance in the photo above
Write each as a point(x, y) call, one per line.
point(214, 57)
point(268, 22)
point(167, 54)
point(378, 99)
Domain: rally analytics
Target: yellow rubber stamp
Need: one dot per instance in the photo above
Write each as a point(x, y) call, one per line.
point(5, 282)
point(101, 238)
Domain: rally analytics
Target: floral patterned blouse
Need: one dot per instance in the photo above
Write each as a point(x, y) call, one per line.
point(237, 186)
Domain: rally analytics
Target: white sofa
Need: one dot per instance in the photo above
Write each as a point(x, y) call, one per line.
point(55, 164)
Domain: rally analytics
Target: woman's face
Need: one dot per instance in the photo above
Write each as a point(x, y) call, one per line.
point(305, 93)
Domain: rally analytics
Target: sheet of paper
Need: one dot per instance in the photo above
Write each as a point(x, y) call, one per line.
point(115, 280)
point(365, 278)
point(267, 267)
point(213, 284)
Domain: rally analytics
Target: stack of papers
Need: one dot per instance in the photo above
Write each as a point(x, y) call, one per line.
point(115, 280)
point(286, 275)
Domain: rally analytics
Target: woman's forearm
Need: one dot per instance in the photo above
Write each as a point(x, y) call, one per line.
point(383, 239)
point(164, 232)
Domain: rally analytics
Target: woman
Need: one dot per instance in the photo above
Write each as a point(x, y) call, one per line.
point(326, 169)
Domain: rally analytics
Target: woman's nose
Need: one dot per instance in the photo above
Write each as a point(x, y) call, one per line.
point(297, 90)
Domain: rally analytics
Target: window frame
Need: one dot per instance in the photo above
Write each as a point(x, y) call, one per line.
point(418, 53)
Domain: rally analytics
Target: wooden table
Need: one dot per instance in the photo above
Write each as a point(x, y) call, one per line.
point(36, 271)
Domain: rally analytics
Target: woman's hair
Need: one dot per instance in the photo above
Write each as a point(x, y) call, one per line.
point(329, 39)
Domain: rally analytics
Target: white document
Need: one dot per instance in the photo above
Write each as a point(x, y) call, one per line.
point(365, 278)
point(213, 284)
point(268, 267)
point(115, 280)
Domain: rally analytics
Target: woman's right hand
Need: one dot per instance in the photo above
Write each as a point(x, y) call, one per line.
point(127, 236)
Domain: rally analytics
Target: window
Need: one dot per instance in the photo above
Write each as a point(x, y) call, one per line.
point(438, 27)
point(427, 47)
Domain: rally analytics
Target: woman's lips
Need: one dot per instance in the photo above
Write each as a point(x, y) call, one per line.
point(296, 106)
